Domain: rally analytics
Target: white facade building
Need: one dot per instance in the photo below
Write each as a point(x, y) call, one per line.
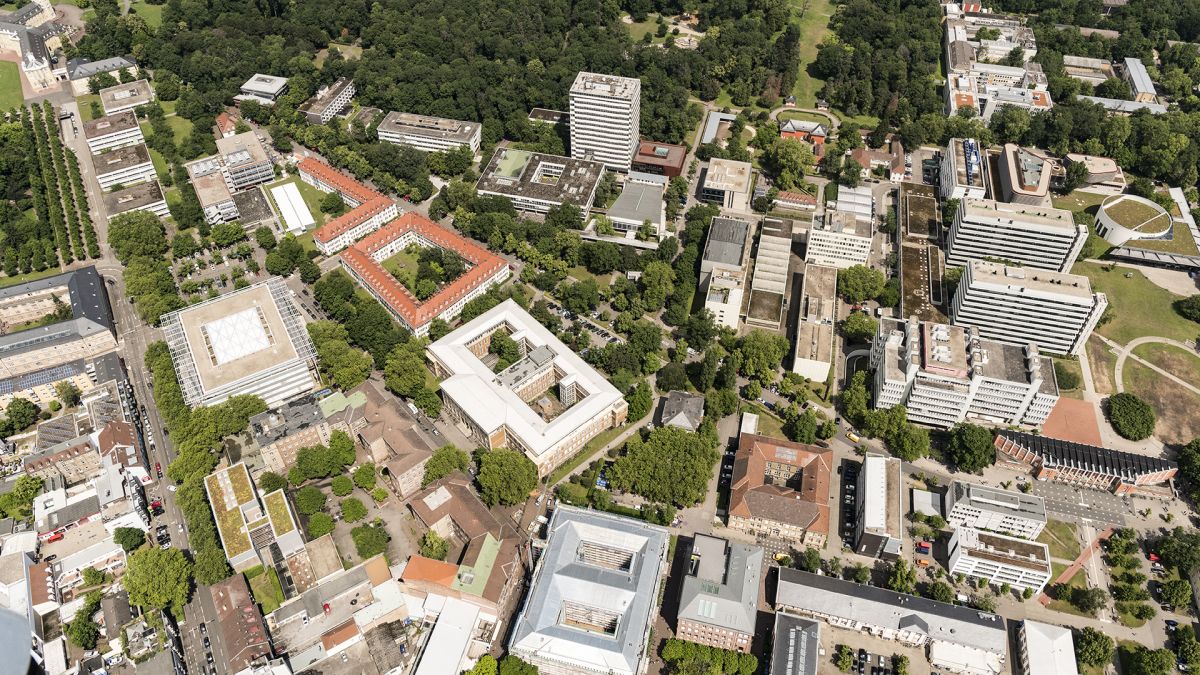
point(1043, 649)
point(984, 508)
point(123, 166)
point(727, 183)
point(140, 197)
point(1018, 306)
point(328, 102)
point(1035, 236)
point(266, 89)
point(842, 241)
point(879, 523)
point(605, 119)
point(538, 182)
point(963, 172)
point(112, 131)
point(430, 134)
point(723, 269)
point(946, 374)
point(999, 559)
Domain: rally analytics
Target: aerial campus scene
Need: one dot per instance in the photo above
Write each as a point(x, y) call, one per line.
point(779, 337)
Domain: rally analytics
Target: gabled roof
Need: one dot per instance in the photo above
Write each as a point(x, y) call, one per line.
point(751, 496)
point(720, 587)
point(420, 568)
point(684, 410)
point(1064, 454)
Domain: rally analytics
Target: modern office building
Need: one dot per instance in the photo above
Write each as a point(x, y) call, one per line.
point(841, 240)
point(727, 183)
point(723, 269)
point(813, 357)
point(1103, 172)
point(772, 267)
point(247, 523)
point(1024, 175)
point(537, 182)
point(593, 596)
point(946, 374)
point(639, 206)
point(958, 639)
point(999, 560)
point(983, 508)
point(141, 197)
point(368, 212)
point(795, 645)
point(266, 89)
point(515, 407)
point(1084, 465)
point(605, 119)
point(1018, 306)
point(1034, 236)
point(250, 341)
point(718, 597)
point(328, 102)
point(664, 159)
point(113, 131)
point(1044, 649)
point(126, 165)
point(212, 192)
point(244, 161)
point(964, 171)
point(1138, 78)
point(431, 134)
point(364, 262)
point(120, 98)
point(878, 523)
point(780, 490)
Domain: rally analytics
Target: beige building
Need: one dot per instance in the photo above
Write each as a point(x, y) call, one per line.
point(780, 490)
point(727, 183)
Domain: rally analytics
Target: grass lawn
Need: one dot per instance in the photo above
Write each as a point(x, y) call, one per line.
point(1137, 305)
point(180, 126)
point(1078, 201)
point(349, 52)
point(167, 106)
point(85, 108)
point(593, 446)
point(1077, 581)
point(156, 158)
point(151, 14)
point(402, 265)
point(638, 29)
point(803, 117)
point(10, 86)
point(306, 241)
point(266, 589)
point(768, 423)
point(813, 22)
point(1179, 362)
point(311, 196)
point(1071, 366)
point(1102, 363)
point(1126, 618)
point(32, 276)
point(581, 273)
point(1061, 538)
point(1176, 406)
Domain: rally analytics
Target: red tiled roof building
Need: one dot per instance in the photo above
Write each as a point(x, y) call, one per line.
point(369, 210)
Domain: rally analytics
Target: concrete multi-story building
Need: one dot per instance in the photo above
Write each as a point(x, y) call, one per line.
point(813, 356)
point(250, 341)
point(266, 89)
point(212, 191)
point(723, 269)
point(1043, 649)
point(328, 102)
point(1138, 78)
point(511, 408)
point(363, 261)
point(780, 490)
point(772, 273)
point(1088, 70)
point(113, 131)
point(983, 508)
point(281, 432)
point(1034, 236)
point(664, 159)
point(431, 134)
point(1024, 175)
point(368, 212)
point(964, 172)
point(129, 96)
point(841, 241)
point(639, 207)
point(878, 526)
point(1018, 306)
point(1083, 465)
point(248, 523)
point(958, 639)
point(999, 560)
point(718, 597)
point(244, 161)
point(1120, 106)
point(537, 182)
point(593, 596)
point(727, 183)
point(605, 119)
point(946, 374)
point(128, 165)
point(141, 197)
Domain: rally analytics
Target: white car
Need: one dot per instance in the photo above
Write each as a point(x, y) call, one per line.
point(171, 488)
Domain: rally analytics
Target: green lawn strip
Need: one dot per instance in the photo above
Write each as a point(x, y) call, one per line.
point(1138, 307)
point(1126, 618)
point(32, 276)
point(1179, 362)
point(10, 86)
point(1060, 537)
point(1077, 581)
point(593, 446)
point(85, 107)
point(768, 423)
point(267, 590)
point(1078, 201)
point(814, 26)
point(402, 265)
point(1071, 366)
point(581, 273)
point(180, 126)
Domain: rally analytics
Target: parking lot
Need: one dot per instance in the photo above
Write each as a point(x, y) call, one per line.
point(871, 646)
point(601, 333)
point(1074, 502)
point(849, 471)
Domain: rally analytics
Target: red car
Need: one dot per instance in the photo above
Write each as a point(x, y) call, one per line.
point(158, 468)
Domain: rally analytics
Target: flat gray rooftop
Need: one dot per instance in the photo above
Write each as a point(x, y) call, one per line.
point(726, 240)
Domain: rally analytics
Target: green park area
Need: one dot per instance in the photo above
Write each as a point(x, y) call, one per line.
point(1060, 593)
point(1062, 540)
point(265, 586)
point(1136, 306)
point(403, 266)
point(10, 86)
point(813, 18)
point(1174, 404)
point(151, 14)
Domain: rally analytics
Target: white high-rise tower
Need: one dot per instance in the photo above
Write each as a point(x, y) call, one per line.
point(605, 114)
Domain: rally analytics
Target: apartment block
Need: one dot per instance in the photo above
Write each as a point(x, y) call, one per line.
point(431, 134)
point(1019, 306)
point(984, 508)
point(368, 212)
point(999, 560)
point(841, 241)
point(727, 183)
point(605, 119)
point(1034, 236)
point(1138, 79)
point(718, 598)
point(945, 374)
point(126, 165)
point(112, 131)
point(328, 102)
point(141, 197)
point(878, 526)
point(723, 269)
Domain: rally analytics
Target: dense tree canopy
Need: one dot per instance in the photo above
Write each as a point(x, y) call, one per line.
point(506, 477)
point(670, 466)
point(1131, 417)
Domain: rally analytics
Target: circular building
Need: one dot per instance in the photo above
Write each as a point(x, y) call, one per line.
point(1123, 218)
